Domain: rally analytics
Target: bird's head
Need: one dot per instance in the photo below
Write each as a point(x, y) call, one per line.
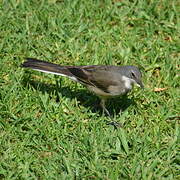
point(132, 75)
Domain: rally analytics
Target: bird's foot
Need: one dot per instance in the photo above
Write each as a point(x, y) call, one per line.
point(115, 124)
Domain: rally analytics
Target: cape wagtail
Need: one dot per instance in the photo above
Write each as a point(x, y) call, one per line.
point(105, 81)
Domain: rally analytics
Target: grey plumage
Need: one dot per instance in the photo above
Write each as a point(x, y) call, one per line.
point(105, 81)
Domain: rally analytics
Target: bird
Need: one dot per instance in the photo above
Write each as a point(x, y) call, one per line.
point(105, 81)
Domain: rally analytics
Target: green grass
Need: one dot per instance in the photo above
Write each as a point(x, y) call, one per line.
point(48, 126)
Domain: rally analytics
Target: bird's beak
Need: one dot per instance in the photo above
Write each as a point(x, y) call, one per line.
point(140, 84)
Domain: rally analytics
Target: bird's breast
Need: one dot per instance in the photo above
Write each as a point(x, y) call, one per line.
point(98, 91)
point(112, 91)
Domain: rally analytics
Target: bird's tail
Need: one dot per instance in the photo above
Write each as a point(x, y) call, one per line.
point(46, 67)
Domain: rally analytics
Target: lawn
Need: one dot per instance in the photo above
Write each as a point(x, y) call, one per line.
point(51, 127)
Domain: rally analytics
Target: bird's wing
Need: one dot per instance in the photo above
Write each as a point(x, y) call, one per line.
point(98, 76)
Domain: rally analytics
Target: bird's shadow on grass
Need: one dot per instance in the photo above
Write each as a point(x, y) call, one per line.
point(86, 98)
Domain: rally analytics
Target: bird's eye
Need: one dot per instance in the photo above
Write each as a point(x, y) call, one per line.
point(133, 75)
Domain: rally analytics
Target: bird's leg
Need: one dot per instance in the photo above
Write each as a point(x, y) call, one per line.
point(103, 101)
point(120, 112)
point(112, 123)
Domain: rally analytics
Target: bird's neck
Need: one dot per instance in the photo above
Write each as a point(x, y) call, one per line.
point(128, 83)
